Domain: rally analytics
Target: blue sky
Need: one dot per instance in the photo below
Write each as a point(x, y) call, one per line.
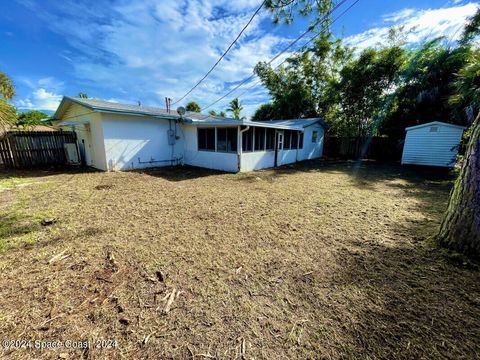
point(130, 50)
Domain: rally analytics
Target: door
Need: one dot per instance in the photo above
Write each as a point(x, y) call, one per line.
point(278, 148)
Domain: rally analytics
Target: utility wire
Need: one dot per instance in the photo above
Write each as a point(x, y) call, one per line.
point(223, 55)
point(320, 21)
point(308, 42)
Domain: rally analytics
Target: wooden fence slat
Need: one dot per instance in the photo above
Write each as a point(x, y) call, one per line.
point(376, 147)
point(34, 148)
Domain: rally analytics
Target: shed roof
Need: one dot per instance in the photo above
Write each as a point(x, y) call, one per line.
point(190, 117)
point(438, 123)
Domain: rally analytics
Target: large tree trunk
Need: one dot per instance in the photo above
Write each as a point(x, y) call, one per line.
point(460, 229)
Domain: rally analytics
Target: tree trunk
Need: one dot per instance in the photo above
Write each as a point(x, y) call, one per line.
point(460, 229)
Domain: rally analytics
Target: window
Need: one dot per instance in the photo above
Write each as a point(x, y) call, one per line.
point(270, 143)
point(259, 139)
point(287, 137)
point(294, 140)
point(222, 140)
point(206, 139)
point(300, 140)
point(314, 136)
point(433, 128)
point(232, 139)
point(247, 140)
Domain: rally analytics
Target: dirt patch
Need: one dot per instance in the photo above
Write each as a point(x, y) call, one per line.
point(312, 261)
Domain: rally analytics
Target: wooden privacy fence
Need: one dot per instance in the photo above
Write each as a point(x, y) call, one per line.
point(376, 148)
point(23, 149)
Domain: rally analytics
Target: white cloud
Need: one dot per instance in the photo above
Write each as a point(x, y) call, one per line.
point(43, 94)
point(151, 49)
point(146, 50)
point(419, 25)
point(40, 99)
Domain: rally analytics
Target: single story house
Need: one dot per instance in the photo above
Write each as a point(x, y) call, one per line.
point(433, 144)
point(115, 136)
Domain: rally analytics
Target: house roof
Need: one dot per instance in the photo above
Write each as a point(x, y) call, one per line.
point(6, 128)
point(190, 117)
point(438, 123)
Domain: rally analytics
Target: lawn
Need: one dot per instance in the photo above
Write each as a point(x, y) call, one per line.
point(312, 261)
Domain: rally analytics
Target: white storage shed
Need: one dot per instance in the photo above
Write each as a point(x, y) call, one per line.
point(433, 144)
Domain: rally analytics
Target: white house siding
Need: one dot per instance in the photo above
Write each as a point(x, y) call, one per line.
point(312, 150)
point(88, 129)
point(423, 147)
point(287, 156)
point(136, 142)
point(207, 159)
point(257, 160)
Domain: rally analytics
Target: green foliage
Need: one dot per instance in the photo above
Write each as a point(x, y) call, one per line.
point(364, 83)
point(193, 106)
point(265, 112)
point(424, 88)
point(472, 29)
point(306, 85)
point(235, 107)
point(285, 10)
point(31, 118)
point(7, 92)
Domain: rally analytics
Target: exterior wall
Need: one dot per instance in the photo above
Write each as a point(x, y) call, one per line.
point(312, 150)
point(423, 147)
point(287, 156)
point(137, 142)
point(124, 142)
point(257, 160)
point(207, 159)
point(89, 129)
point(266, 159)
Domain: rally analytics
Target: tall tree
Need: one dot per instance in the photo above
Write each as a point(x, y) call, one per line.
point(460, 228)
point(424, 87)
point(305, 85)
point(7, 92)
point(364, 83)
point(235, 107)
point(265, 112)
point(193, 106)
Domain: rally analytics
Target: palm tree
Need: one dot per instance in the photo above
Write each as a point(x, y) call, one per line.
point(7, 92)
point(193, 106)
point(236, 108)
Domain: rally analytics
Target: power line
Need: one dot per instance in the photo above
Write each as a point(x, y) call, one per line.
point(223, 55)
point(320, 21)
point(309, 41)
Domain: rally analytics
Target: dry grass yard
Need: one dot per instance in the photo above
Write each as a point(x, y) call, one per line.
point(314, 261)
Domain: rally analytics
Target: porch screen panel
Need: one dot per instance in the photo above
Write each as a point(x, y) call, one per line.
point(232, 139)
point(270, 145)
point(259, 139)
point(247, 140)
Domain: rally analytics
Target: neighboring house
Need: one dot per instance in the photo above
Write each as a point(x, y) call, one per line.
point(434, 144)
point(6, 128)
point(115, 136)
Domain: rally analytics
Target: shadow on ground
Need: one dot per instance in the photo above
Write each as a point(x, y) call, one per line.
point(410, 302)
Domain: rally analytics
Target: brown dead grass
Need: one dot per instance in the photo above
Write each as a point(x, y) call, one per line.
point(313, 261)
